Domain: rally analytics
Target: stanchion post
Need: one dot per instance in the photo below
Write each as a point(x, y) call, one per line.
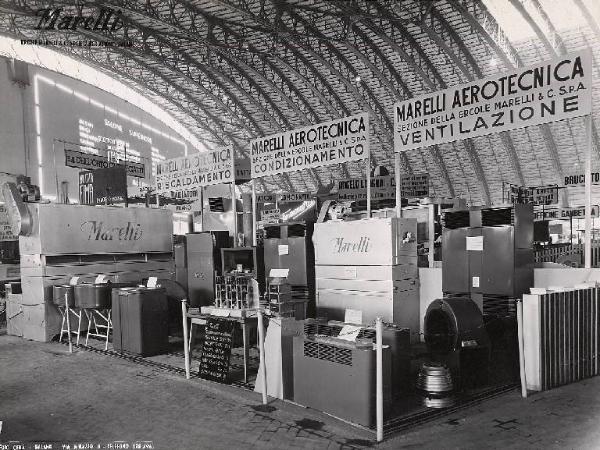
point(68, 313)
point(261, 352)
point(588, 193)
point(254, 213)
point(397, 179)
point(186, 344)
point(369, 186)
point(521, 348)
point(379, 377)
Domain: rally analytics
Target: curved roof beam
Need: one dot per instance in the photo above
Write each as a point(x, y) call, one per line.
point(508, 55)
point(466, 71)
point(588, 17)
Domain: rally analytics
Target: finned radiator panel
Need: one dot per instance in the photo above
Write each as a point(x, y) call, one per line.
point(560, 332)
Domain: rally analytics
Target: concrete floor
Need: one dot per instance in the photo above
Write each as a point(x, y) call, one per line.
point(48, 394)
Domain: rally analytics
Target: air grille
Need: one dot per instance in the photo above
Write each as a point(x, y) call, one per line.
point(314, 328)
point(273, 232)
point(456, 219)
point(499, 306)
point(328, 352)
point(297, 230)
point(216, 204)
point(497, 216)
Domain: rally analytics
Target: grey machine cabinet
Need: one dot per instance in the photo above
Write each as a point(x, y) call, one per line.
point(203, 260)
point(140, 319)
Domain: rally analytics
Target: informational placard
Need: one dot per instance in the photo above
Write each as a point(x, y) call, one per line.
point(295, 197)
point(332, 142)
point(88, 161)
point(6, 233)
point(242, 170)
point(353, 316)
point(578, 179)
point(270, 215)
point(382, 188)
point(414, 186)
point(536, 195)
point(216, 351)
point(545, 92)
point(189, 173)
point(475, 243)
point(285, 197)
point(577, 212)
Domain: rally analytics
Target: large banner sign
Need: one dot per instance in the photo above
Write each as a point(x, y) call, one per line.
point(333, 142)
point(578, 212)
point(88, 161)
point(182, 177)
point(545, 92)
point(382, 188)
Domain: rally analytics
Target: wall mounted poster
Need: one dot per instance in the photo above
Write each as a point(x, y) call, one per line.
point(545, 92)
point(182, 177)
point(332, 142)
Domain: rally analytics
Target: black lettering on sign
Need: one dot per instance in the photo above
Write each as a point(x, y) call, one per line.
point(216, 351)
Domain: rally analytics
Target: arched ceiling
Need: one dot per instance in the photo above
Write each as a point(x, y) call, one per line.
point(234, 70)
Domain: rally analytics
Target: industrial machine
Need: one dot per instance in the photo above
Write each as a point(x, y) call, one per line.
point(337, 375)
point(289, 246)
point(369, 265)
point(244, 261)
point(65, 241)
point(203, 252)
point(140, 320)
point(487, 265)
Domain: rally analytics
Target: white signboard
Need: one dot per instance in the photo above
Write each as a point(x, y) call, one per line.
point(579, 179)
point(189, 173)
point(270, 215)
point(333, 142)
point(382, 188)
point(286, 197)
point(577, 212)
point(545, 92)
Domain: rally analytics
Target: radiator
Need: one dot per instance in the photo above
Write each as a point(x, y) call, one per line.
point(560, 331)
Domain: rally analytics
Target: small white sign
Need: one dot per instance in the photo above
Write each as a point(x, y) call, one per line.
point(220, 312)
point(152, 282)
point(475, 243)
point(353, 316)
point(100, 279)
point(283, 250)
point(475, 282)
point(74, 281)
point(349, 332)
point(279, 273)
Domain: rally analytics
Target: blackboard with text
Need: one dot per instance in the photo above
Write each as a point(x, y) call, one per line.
point(216, 351)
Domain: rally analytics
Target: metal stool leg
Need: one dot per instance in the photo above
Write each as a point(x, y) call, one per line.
point(62, 325)
point(79, 327)
point(89, 327)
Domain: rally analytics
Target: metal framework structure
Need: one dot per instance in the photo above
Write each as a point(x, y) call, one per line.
point(234, 70)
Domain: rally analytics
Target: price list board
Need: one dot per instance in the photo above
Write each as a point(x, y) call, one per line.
point(216, 351)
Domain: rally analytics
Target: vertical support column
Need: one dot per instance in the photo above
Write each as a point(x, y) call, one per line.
point(261, 351)
point(379, 377)
point(186, 348)
point(234, 209)
point(588, 193)
point(369, 185)
point(521, 348)
point(397, 178)
point(431, 231)
point(254, 213)
point(202, 192)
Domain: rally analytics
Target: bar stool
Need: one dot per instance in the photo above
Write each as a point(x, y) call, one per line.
point(99, 319)
point(63, 298)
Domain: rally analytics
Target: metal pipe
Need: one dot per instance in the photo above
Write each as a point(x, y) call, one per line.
point(369, 186)
point(68, 313)
point(397, 178)
point(235, 216)
point(521, 348)
point(261, 351)
point(379, 377)
point(186, 345)
point(254, 213)
point(588, 193)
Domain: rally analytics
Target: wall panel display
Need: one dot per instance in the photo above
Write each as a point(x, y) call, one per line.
point(101, 124)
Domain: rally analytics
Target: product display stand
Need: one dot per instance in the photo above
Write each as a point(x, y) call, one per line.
point(98, 319)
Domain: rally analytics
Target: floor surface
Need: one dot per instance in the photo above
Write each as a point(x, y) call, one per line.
point(48, 394)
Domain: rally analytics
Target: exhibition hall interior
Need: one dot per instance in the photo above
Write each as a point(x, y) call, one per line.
point(299, 224)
